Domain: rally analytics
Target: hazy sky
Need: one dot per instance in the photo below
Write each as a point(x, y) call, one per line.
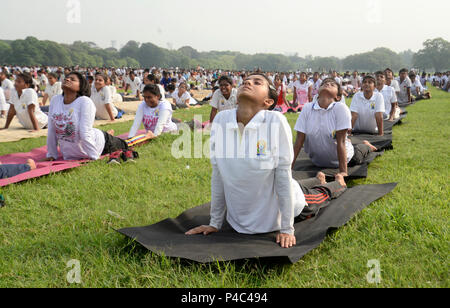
point(317, 27)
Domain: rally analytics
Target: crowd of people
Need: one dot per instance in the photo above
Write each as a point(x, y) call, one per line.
point(256, 192)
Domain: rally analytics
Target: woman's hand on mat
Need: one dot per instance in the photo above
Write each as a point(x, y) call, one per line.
point(286, 240)
point(202, 229)
point(150, 135)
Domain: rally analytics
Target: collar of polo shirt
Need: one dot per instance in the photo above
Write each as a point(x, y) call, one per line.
point(253, 124)
point(316, 106)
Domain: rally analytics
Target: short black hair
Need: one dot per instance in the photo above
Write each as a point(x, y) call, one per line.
point(403, 70)
point(369, 77)
point(226, 78)
point(153, 89)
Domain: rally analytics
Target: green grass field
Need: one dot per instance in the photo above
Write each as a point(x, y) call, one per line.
point(65, 216)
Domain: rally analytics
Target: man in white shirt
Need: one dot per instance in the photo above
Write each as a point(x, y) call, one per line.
point(134, 83)
point(7, 87)
point(390, 81)
point(417, 89)
point(355, 81)
point(368, 109)
point(392, 111)
point(53, 88)
point(404, 96)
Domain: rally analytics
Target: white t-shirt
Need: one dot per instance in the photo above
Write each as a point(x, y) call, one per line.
point(252, 178)
point(100, 99)
point(53, 90)
point(8, 87)
point(395, 85)
point(404, 85)
point(71, 127)
point(28, 97)
point(43, 80)
point(320, 126)
point(3, 105)
point(414, 87)
point(219, 102)
point(389, 98)
point(157, 120)
point(366, 110)
point(180, 100)
point(134, 84)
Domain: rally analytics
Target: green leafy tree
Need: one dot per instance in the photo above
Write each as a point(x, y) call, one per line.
point(435, 55)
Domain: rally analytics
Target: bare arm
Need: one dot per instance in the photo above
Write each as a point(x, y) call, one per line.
point(379, 119)
point(354, 118)
point(212, 114)
point(341, 136)
point(298, 146)
point(44, 100)
point(11, 114)
point(34, 121)
point(109, 110)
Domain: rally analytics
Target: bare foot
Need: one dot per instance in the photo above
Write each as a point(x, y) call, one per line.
point(321, 177)
point(111, 132)
point(31, 163)
point(372, 148)
point(340, 179)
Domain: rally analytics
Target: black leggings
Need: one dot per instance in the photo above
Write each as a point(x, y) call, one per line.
point(318, 196)
point(361, 152)
point(113, 144)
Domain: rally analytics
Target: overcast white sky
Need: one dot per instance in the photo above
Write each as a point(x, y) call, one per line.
point(313, 27)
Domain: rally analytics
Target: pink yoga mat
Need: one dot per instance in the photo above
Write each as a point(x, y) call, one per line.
point(42, 168)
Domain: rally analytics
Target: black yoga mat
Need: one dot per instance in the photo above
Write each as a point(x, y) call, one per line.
point(304, 168)
point(167, 237)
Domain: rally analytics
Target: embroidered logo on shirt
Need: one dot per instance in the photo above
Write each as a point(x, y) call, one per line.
point(333, 134)
point(261, 148)
point(372, 105)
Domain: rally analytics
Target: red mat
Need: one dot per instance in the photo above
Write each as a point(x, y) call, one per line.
point(42, 168)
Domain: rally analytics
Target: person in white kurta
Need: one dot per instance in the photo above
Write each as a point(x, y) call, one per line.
point(251, 154)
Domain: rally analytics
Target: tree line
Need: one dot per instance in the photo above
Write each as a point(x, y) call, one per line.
point(435, 55)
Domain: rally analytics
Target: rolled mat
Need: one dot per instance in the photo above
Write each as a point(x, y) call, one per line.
point(167, 237)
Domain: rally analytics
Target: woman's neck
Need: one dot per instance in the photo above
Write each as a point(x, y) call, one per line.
point(69, 97)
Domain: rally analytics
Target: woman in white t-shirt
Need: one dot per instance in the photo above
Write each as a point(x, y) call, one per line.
point(182, 98)
point(25, 105)
point(302, 91)
point(223, 99)
point(155, 113)
point(322, 127)
point(71, 126)
point(102, 98)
